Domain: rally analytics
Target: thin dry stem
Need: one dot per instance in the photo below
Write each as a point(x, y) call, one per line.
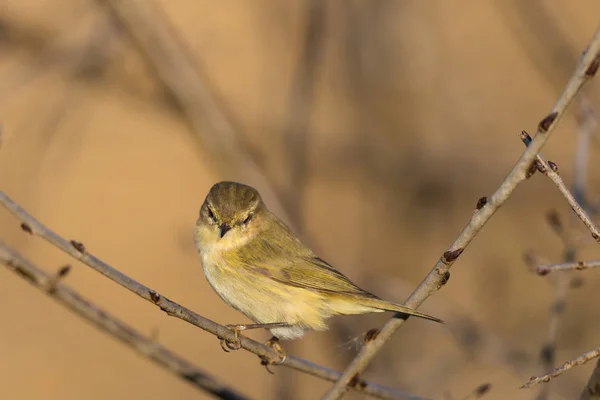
point(548, 350)
point(582, 359)
point(576, 206)
point(144, 345)
point(302, 94)
point(77, 250)
point(544, 269)
point(433, 281)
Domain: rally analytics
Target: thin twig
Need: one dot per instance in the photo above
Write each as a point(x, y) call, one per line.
point(582, 359)
point(592, 388)
point(301, 98)
point(302, 92)
point(77, 250)
point(439, 275)
point(556, 313)
point(551, 171)
point(544, 269)
point(126, 334)
point(587, 129)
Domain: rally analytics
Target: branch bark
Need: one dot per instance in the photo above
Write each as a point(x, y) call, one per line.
point(550, 169)
point(582, 359)
point(144, 345)
point(440, 274)
point(545, 269)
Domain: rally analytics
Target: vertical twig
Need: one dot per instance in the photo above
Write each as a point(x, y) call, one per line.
point(303, 86)
point(548, 351)
point(589, 123)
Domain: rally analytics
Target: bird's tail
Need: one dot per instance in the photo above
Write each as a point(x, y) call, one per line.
point(387, 306)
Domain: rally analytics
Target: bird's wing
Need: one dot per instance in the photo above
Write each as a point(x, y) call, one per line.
point(308, 272)
point(315, 273)
point(285, 259)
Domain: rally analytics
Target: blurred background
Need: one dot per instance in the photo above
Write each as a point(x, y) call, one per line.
point(371, 126)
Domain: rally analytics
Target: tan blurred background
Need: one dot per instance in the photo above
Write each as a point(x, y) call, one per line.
point(378, 123)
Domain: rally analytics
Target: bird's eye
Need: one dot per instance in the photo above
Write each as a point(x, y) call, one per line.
point(211, 215)
point(248, 218)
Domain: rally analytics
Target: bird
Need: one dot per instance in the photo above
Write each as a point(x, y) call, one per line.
point(258, 266)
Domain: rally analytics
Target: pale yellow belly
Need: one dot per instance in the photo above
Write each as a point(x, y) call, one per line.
point(264, 300)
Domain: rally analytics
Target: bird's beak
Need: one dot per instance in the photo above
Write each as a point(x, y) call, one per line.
point(224, 228)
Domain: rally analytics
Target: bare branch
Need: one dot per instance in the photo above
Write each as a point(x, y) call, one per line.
point(592, 389)
point(77, 250)
point(302, 93)
point(582, 359)
point(556, 312)
point(586, 68)
point(551, 171)
point(544, 269)
point(112, 326)
point(587, 127)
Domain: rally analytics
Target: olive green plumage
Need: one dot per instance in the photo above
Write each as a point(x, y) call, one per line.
point(258, 266)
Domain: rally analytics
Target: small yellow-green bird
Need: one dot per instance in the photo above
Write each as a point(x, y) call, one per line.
point(259, 267)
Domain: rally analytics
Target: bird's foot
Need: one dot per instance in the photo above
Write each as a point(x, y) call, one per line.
point(274, 344)
point(236, 343)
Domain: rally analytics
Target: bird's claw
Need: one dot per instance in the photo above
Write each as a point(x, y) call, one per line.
point(274, 344)
point(236, 343)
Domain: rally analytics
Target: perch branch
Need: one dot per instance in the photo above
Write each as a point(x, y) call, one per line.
point(439, 275)
point(112, 326)
point(582, 359)
point(77, 250)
